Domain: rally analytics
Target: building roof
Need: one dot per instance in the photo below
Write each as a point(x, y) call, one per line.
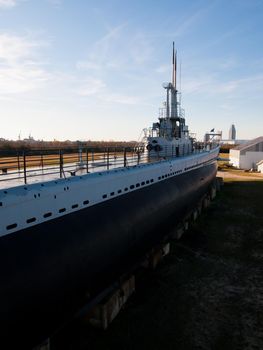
point(249, 143)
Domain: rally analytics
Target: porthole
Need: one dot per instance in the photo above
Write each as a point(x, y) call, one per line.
point(35, 196)
point(143, 183)
point(147, 181)
point(74, 206)
point(62, 210)
point(112, 194)
point(151, 180)
point(104, 196)
point(159, 177)
point(10, 227)
point(55, 196)
point(29, 221)
point(131, 187)
point(47, 215)
point(137, 185)
point(86, 202)
point(1, 204)
point(119, 191)
point(126, 189)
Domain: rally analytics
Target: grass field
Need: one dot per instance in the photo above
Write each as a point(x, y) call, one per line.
point(207, 294)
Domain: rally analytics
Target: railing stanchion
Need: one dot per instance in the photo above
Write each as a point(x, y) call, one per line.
point(42, 162)
point(18, 162)
point(87, 159)
point(108, 158)
point(60, 163)
point(24, 160)
point(124, 158)
point(138, 156)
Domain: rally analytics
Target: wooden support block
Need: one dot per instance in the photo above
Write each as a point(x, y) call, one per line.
point(195, 215)
point(179, 232)
point(105, 312)
point(154, 257)
point(219, 183)
point(44, 346)
point(213, 192)
point(206, 202)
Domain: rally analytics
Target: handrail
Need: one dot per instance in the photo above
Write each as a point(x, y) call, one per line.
point(27, 166)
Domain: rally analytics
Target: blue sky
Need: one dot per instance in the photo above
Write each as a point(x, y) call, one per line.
point(83, 69)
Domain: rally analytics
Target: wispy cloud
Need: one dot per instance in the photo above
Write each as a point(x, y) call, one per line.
point(56, 3)
point(101, 54)
point(120, 98)
point(118, 50)
point(163, 68)
point(209, 84)
point(97, 88)
point(7, 3)
point(141, 48)
point(90, 86)
point(20, 70)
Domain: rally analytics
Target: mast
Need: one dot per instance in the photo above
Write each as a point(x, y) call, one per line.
point(173, 90)
point(174, 68)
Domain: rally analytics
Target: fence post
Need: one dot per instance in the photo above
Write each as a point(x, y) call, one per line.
point(24, 160)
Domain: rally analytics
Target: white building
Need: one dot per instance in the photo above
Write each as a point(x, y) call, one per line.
point(247, 155)
point(260, 166)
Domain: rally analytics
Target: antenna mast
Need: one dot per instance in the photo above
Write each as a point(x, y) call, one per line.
point(173, 90)
point(174, 68)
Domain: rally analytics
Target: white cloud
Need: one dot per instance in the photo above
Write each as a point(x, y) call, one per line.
point(118, 50)
point(163, 68)
point(210, 85)
point(55, 2)
point(7, 3)
point(88, 65)
point(90, 86)
point(20, 70)
point(141, 49)
point(119, 98)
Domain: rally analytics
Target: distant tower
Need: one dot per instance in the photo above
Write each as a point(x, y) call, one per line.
point(232, 132)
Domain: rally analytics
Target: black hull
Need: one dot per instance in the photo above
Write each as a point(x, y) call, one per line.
point(47, 270)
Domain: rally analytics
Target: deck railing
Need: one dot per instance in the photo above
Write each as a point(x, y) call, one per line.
point(29, 166)
point(23, 166)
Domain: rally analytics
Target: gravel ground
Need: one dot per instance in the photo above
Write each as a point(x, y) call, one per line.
point(207, 294)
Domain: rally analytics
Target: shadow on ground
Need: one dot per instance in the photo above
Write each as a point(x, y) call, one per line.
point(207, 294)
